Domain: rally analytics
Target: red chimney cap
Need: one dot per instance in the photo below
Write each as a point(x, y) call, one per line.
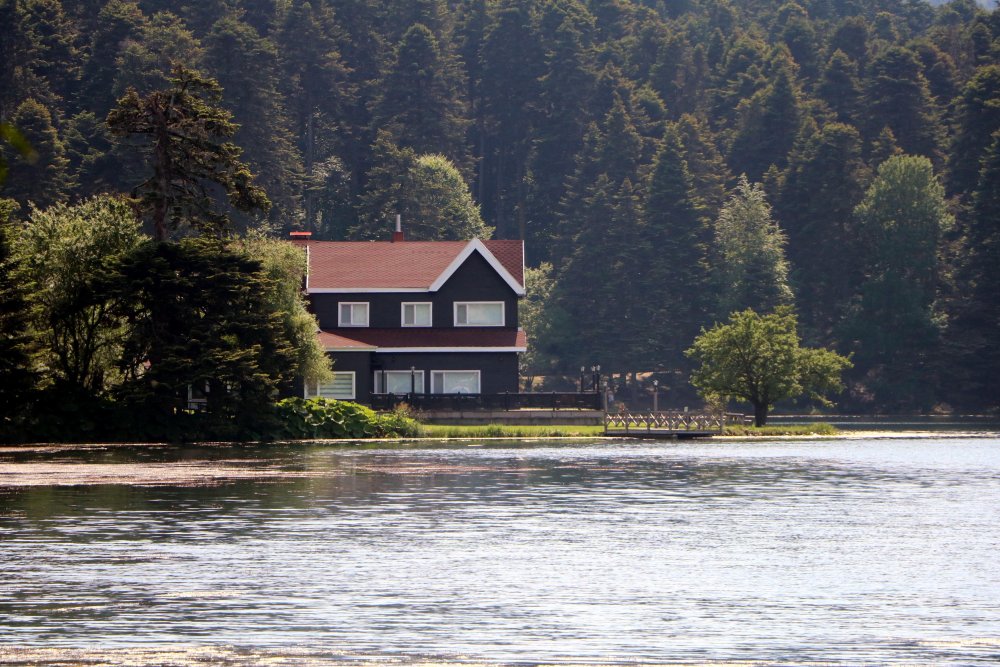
point(300, 235)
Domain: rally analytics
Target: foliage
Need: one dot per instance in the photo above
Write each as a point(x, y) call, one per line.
point(510, 431)
point(18, 375)
point(818, 429)
point(201, 320)
point(181, 131)
point(60, 255)
point(751, 270)
point(285, 267)
point(322, 418)
point(758, 359)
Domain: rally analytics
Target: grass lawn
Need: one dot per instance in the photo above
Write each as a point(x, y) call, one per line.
point(568, 431)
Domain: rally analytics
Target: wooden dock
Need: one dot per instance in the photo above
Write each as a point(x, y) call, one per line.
point(667, 425)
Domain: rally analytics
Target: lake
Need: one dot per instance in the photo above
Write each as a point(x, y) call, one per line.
point(843, 551)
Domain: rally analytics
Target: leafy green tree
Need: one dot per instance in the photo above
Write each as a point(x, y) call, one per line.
point(42, 176)
point(422, 105)
point(59, 255)
point(284, 266)
point(427, 190)
point(182, 133)
point(201, 318)
point(759, 359)
point(750, 266)
point(896, 323)
point(18, 373)
point(541, 325)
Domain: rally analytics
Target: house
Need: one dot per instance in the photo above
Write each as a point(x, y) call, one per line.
point(416, 316)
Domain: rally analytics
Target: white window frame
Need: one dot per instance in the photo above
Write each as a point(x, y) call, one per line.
point(430, 312)
point(315, 387)
point(352, 323)
point(478, 373)
point(377, 382)
point(503, 312)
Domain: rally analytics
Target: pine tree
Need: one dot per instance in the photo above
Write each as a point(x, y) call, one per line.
point(825, 181)
point(18, 377)
point(246, 67)
point(767, 127)
point(119, 23)
point(897, 95)
point(44, 178)
point(182, 133)
point(677, 265)
point(978, 118)
point(839, 87)
point(709, 173)
point(421, 105)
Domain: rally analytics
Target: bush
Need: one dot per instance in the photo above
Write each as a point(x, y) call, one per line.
point(318, 418)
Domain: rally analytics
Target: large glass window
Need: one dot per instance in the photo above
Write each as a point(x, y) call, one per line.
point(398, 382)
point(455, 382)
point(417, 315)
point(479, 314)
point(353, 314)
point(340, 387)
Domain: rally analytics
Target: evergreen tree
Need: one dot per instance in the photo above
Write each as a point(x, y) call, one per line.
point(709, 173)
point(978, 118)
point(677, 266)
point(318, 90)
point(201, 318)
point(840, 89)
point(895, 325)
point(897, 95)
point(421, 105)
point(825, 181)
point(182, 133)
point(246, 67)
point(145, 63)
point(119, 23)
point(750, 266)
point(42, 177)
point(767, 127)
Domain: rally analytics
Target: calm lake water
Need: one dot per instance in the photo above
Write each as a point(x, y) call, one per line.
point(843, 551)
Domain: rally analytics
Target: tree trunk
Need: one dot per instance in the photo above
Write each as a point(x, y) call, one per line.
point(759, 414)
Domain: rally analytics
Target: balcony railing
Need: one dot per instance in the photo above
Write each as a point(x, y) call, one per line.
point(551, 400)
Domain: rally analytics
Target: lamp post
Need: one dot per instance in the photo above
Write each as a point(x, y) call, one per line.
point(582, 370)
point(413, 381)
point(656, 395)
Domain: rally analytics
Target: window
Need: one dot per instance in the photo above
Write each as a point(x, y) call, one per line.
point(479, 314)
point(340, 387)
point(353, 314)
point(417, 315)
point(455, 382)
point(398, 382)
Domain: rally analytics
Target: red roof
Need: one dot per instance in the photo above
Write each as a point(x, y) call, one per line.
point(356, 265)
point(411, 338)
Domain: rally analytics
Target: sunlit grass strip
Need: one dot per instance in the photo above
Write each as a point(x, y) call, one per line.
point(506, 431)
point(782, 429)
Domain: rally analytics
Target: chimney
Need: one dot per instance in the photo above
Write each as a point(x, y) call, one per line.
point(397, 236)
point(300, 236)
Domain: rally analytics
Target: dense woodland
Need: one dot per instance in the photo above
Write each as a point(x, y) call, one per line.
point(666, 162)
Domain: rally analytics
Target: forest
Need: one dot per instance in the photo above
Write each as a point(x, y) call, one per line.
point(666, 162)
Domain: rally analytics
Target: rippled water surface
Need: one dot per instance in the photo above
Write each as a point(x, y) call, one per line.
point(846, 551)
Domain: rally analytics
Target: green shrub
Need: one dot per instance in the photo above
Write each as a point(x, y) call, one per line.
point(318, 418)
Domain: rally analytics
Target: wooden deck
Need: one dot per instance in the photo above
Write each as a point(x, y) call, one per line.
point(667, 425)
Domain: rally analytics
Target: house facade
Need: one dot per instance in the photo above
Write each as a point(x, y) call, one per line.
point(417, 316)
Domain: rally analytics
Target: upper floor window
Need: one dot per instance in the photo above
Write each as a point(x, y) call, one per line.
point(353, 314)
point(479, 314)
point(417, 315)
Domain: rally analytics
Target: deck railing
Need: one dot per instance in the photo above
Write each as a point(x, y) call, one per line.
point(670, 421)
point(550, 400)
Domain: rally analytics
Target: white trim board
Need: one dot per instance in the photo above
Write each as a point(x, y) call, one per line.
point(475, 245)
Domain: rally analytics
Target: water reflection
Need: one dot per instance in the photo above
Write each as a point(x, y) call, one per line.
point(849, 552)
